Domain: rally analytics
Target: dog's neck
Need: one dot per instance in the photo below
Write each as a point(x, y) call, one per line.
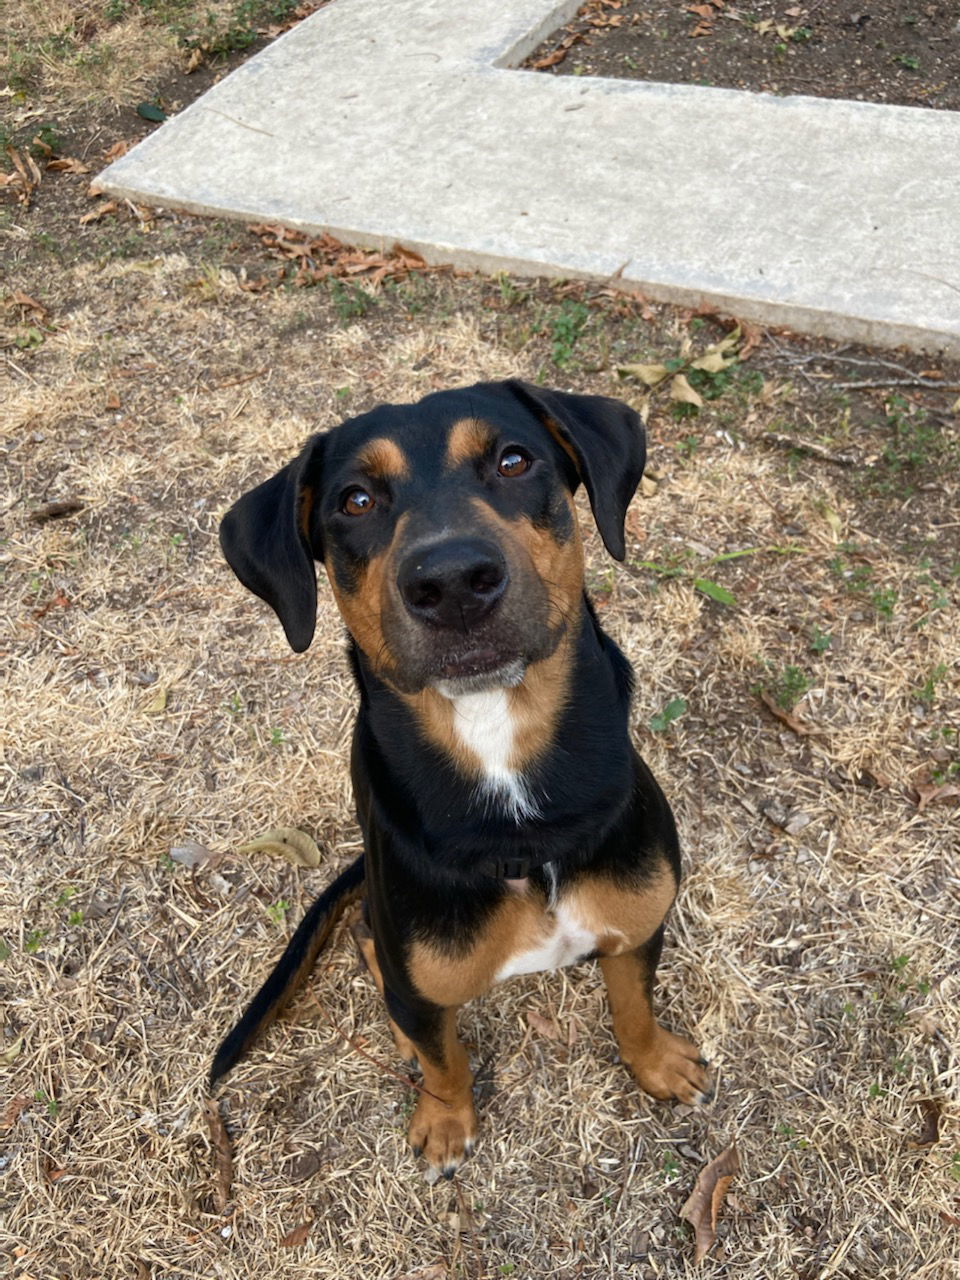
point(523, 756)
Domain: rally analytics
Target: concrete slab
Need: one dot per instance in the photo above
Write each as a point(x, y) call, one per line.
point(402, 121)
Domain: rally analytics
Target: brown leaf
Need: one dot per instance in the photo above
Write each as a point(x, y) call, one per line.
point(68, 164)
point(112, 401)
point(930, 1133)
point(108, 206)
point(543, 1026)
point(117, 150)
point(931, 792)
point(438, 1271)
point(792, 722)
point(298, 1236)
point(703, 1205)
point(220, 1140)
point(704, 11)
point(24, 300)
point(304, 1166)
point(13, 1111)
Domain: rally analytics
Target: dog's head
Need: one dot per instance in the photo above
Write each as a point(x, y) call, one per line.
point(447, 529)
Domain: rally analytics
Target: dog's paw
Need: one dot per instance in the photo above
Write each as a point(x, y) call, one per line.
point(444, 1134)
point(671, 1067)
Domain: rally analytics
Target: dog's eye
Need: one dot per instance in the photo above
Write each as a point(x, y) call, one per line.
point(514, 462)
point(357, 502)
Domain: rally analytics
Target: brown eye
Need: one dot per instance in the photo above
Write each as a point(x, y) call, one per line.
point(357, 502)
point(514, 462)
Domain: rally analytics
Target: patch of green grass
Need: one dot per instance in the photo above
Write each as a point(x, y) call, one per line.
point(789, 687)
point(670, 1167)
point(51, 1104)
point(565, 327)
point(884, 601)
point(928, 690)
point(278, 911)
point(350, 302)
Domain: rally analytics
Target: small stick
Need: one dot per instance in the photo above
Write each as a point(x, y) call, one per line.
point(381, 1066)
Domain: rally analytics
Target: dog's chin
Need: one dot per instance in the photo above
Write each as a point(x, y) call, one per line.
point(505, 676)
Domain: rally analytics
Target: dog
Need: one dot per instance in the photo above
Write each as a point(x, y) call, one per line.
point(509, 825)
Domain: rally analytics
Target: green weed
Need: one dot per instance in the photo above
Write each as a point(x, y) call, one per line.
point(665, 717)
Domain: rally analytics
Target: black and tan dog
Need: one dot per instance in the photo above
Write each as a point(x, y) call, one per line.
point(509, 826)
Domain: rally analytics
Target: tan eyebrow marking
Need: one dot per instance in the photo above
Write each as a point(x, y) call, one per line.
point(469, 438)
point(383, 459)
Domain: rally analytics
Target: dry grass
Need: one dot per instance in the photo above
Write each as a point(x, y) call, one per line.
point(818, 969)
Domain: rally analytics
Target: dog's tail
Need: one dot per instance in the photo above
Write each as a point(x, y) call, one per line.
point(291, 969)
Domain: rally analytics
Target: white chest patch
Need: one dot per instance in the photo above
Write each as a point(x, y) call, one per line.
point(565, 943)
point(484, 724)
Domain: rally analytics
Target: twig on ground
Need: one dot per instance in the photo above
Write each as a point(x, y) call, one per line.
point(809, 447)
point(381, 1066)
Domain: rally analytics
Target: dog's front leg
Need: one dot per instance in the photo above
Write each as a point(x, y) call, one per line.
point(444, 1125)
point(664, 1065)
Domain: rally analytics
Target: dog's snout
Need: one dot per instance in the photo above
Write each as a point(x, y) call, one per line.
point(454, 583)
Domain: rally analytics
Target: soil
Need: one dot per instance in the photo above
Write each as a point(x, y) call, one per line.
point(866, 50)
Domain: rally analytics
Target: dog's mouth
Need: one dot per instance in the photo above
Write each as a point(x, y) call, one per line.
point(478, 670)
point(473, 662)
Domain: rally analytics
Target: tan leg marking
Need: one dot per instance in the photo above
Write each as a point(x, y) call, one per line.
point(444, 1125)
point(664, 1065)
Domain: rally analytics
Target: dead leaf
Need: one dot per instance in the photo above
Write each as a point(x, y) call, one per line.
point(67, 164)
point(304, 1166)
point(13, 1111)
point(101, 211)
point(792, 722)
point(190, 854)
point(931, 792)
point(196, 57)
point(649, 374)
point(930, 1133)
point(31, 304)
point(438, 1271)
point(11, 1054)
point(703, 1205)
point(293, 1239)
point(704, 11)
point(714, 362)
point(112, 401)
point(543, 1026)
point(157, 704)
point(286, 842)
point(648, 486)
point(117, 150)
point(220, 1140)
point(680, 389)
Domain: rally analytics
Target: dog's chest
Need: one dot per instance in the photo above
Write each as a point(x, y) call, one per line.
point(560, 937)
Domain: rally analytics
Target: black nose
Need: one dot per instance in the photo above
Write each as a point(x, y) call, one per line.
point(454, 583)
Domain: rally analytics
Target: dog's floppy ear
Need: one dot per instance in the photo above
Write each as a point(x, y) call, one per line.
point(265, 538)
point(606, 441)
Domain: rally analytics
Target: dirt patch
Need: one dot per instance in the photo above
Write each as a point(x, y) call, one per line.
point(877, 51)
point(790, 602)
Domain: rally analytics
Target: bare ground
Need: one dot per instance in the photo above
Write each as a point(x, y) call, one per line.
point(148, 702)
